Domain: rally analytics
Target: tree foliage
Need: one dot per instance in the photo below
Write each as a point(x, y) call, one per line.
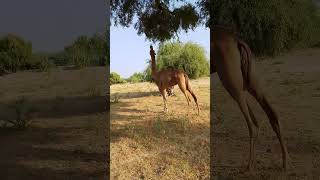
point(88, 51)
point(115, 78)
point(188, 57)
point(136, 77)
point(270, 27)
point(158, 21)
point(14, 53)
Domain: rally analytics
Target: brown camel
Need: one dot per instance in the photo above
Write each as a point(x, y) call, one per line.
point(231, 59)
point(167, 78)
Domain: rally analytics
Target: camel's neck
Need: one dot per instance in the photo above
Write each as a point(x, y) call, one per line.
point(153, 64)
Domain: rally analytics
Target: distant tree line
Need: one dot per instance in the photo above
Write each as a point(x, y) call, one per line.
point(188, 57)
point(16, 54)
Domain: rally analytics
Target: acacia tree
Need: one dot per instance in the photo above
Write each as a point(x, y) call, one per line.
point(269, 27)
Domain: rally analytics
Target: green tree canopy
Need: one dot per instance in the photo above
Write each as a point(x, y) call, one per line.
point(136, 77)
point(189, 57)
point(269, 27)
point(115, 78)
point(87, 51)
point(14, 53)
point(158, 20)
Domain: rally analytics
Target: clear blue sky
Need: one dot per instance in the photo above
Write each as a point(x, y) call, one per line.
point(129, 52)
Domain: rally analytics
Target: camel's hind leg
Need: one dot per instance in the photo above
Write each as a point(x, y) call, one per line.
point(194, 97)
point(188, 88)
point(254, 120)
point(242, 102)
point(183, 89)
point(233, 83)
point(273, 118)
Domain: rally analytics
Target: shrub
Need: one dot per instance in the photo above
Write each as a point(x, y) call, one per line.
point(15, 53)
point(23, 112)
point(136, 77)
point(115, 78)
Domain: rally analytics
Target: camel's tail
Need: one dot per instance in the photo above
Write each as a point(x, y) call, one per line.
point(188, 86)
point(246, 60)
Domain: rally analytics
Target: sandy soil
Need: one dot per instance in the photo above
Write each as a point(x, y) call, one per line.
point(293, 86)
point(67, 136)
point(147, 144)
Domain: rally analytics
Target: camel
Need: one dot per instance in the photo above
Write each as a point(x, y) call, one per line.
point(231, 58)
point(167, 78)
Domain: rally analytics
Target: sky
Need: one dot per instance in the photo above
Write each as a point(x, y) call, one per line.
point(129, 52)
point(52, 24)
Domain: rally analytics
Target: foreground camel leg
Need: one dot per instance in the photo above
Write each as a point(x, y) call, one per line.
point(231, 59)
point(256, 92)
point(254, 120)
point(242, 102)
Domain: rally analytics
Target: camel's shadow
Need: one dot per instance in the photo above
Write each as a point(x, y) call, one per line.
point(130, 95)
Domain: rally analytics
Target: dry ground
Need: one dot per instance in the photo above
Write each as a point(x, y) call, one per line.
point(67, 136)
point(148, 144)
point(293, 86)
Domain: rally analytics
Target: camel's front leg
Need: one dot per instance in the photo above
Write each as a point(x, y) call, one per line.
point(162, 91)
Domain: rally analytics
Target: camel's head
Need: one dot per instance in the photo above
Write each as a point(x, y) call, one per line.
point(152, 53)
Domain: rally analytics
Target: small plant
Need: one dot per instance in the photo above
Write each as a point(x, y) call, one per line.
point(116, 98)
point(23, 114)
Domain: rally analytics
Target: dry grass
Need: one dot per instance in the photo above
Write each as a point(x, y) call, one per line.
point(293, 92)
point(148, 144)
point(66, 136)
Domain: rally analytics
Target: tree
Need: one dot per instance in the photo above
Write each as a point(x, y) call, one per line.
point(269, 27)
point(188, 57)
point(88, 51)
point(136, 77)
point(153, 13)
point(15, 53)
point(115, 78)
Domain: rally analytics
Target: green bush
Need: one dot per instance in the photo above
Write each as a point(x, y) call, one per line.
point(136, 77)
point(88, 51)
point(15, 53)
point(188, 57)
point(39, 62)
point(115, 78)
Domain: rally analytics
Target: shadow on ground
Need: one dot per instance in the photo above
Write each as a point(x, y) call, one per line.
point(130, 95)
point(21, 147)
point(60, 107)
